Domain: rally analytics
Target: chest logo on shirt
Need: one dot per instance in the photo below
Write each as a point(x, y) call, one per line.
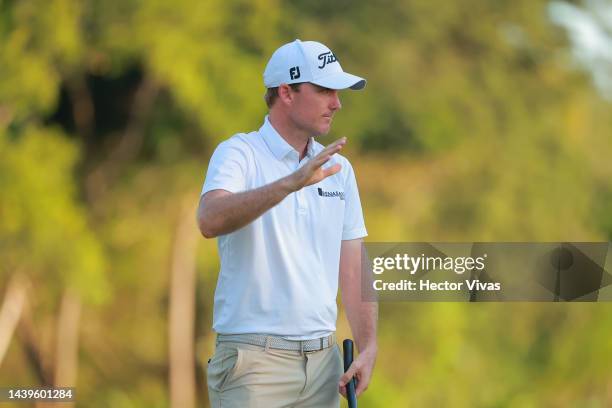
point(324, 193)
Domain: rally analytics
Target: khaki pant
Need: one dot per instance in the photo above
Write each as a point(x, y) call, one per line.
point(244, 375)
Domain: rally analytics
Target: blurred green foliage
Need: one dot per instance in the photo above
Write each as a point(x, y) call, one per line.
point(474, 126)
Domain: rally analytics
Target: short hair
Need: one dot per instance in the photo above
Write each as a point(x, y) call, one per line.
point(272, 93)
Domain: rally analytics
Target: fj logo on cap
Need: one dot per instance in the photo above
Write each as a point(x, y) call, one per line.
point(326, 58)
point(294, 72)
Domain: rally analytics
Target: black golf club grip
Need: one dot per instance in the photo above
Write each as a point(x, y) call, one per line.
point(347, 346)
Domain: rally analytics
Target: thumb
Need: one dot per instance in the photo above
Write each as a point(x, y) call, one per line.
point(346, 377)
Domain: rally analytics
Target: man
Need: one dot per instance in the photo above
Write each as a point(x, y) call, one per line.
point(288, 217)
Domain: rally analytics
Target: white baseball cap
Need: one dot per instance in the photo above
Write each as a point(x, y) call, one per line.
point(308, 61)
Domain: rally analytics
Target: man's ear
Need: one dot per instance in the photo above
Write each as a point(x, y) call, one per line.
point(285, 94)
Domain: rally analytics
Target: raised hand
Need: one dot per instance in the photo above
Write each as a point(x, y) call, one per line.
point(313, 172)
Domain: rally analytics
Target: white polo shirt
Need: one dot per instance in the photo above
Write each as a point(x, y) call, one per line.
point(279, 274)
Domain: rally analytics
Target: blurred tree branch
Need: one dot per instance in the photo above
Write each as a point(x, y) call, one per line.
point(182, 309)
point(67, 343)
point(10, 312)
point(32, 347)
point(130, 142)
point(83, 109)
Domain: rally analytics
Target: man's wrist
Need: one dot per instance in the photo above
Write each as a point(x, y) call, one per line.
point(288, 185)
point(370, 348)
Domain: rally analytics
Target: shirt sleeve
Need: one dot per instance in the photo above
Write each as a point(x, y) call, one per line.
point(354, 225)
point(228, 167)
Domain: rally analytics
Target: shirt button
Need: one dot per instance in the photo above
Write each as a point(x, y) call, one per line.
point(302, 210)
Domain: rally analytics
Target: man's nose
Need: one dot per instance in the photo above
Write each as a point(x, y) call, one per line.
point(335, 101)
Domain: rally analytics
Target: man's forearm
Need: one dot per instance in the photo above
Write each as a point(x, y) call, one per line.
point(230, 212)
point(362, 315)
point(363, 318)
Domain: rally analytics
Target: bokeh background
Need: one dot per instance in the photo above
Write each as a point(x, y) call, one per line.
point(482, 121)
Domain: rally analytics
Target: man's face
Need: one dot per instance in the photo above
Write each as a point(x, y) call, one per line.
point(313, 108)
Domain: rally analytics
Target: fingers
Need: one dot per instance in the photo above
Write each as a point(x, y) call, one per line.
point(312, 172)
point(333, 148)
point(326, 154)
point(361, 387)
point(318, 161)
point(337, 143)
point(362, 378)
point(330, 171)
point(346, 377)
point(344, 380)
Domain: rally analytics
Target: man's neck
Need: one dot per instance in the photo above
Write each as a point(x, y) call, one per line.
point(296, 138)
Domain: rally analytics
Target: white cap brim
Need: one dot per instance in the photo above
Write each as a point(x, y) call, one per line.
point(341, 80)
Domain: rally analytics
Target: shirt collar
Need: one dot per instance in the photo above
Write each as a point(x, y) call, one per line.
point(278, 145)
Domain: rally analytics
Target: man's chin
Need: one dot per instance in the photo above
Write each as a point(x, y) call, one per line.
point(324, 130)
